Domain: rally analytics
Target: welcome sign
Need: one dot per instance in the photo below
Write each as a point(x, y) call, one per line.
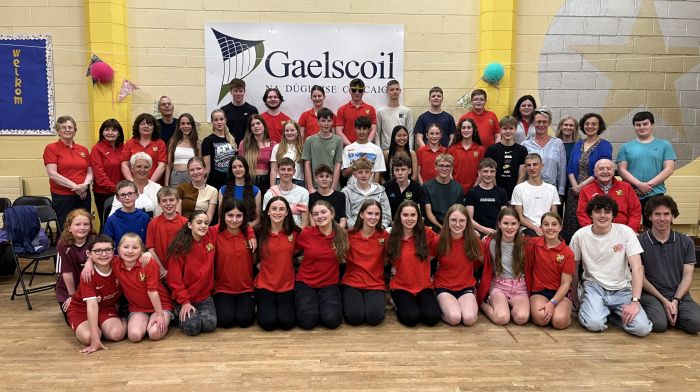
point(294, 57)
point(26, 85)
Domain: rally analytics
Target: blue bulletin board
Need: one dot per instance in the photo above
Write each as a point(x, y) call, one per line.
point(26, 85)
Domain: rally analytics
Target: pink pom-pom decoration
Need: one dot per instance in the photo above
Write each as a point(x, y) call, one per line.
point(101, 72)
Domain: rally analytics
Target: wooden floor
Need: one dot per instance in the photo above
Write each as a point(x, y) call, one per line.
point(39, 352)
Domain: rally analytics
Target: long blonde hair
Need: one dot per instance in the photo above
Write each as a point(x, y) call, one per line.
point(471, 241)
point(284, 144)
point(227, 133)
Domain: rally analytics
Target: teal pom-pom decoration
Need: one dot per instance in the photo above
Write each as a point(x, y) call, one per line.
point(493, 73)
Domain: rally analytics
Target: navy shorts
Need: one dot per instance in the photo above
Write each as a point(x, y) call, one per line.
point(549, 294)
point(455, 293)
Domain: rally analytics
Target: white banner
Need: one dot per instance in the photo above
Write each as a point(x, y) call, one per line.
point(294, 57)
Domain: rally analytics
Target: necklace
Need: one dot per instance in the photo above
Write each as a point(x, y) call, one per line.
point(199, 188)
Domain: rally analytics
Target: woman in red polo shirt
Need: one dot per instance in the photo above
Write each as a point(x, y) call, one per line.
point(459, 252)
point(467, 150)
point(274, 284)
point(308, 122)
point(363, 285)
point(233, 268)
point(68, 167)
point(106, 163)
point(316, 292)
point(191, 274)
point(549, 270)
point(409, 250)
point(146, 139)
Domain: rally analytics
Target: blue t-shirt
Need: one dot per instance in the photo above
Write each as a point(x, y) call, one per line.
point(238, 191)
point(443, 119)
point(646, 160)
point(122, 222)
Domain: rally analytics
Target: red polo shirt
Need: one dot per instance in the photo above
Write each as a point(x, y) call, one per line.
point(456, 271)
point(155, 149)
point(276, 264)
point(275, 125)
point(426, 160)
point(137, 282)
point(233, 269)
point(365, 261)
point(544, 266)
point(160, 233)
point(348, 113)
point(106, 166)
point(412, 274)
point(486, 125)
point(71, 162)
point(191, 276)
point(309, 121)
point(466, 166)
point(320, 267)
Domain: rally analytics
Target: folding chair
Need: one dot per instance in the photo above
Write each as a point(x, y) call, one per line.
point(40, 201)
point(34, 259)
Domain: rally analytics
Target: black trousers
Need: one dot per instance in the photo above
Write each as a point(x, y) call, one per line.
point(64, 204)
point(318, 306)
point(362, 306)
point(234, 309)
point(275, 310)
point(414, 309)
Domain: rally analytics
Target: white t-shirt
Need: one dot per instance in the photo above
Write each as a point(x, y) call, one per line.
point(371, 151)
point(604, 257)
point(389, 117)
point(535, 199)
point(291, 154)
point(147, 201)
point(298, 195)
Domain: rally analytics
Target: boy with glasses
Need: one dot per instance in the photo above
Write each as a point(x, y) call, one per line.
point(348, 113)
point(127, 219)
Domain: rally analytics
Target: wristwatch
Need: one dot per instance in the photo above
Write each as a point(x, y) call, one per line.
point(635, 299)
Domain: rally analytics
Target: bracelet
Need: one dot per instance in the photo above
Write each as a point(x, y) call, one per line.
point(554, 301)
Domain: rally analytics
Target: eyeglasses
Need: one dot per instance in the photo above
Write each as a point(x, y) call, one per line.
point(102, 252)
point(357, 90)
point(127, 194)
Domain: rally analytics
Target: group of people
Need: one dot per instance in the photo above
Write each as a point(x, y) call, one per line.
point(256, 220)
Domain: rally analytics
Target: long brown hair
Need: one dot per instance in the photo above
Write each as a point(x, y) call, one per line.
point(193, 138)
point(471, 241)
point(250, 145)
point(341, 243)
point(182, 242)
point(359, 222)
point(262, 231)
point(396, 236)
point(518, 245)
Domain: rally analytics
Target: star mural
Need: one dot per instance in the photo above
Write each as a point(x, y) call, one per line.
point(644, 57)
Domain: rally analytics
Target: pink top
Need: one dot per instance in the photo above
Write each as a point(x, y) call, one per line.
point(264, 155)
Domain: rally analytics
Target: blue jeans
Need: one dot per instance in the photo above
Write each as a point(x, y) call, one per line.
point(598, 303)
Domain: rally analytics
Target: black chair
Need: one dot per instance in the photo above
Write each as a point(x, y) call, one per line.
point(46, 202)
point(4, 203)
point(34, 259)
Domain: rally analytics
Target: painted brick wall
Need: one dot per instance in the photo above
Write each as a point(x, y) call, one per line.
point(64, 21)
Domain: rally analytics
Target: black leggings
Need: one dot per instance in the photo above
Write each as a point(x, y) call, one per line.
point(413, 309)
point(275, 310)
point(318, 306)
point(362, 306)
point(234, 309)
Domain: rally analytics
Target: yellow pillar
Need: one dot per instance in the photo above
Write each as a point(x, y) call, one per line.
point(497, 44)
point(107, 38)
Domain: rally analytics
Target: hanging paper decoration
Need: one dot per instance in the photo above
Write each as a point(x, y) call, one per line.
point(126, 89)
point(493, 73)
point(100, 71)
point(94, 59)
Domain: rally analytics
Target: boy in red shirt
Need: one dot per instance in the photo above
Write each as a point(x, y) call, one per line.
point(348, 113)
point(486, 121)
point(274, 117)
point(162, 229)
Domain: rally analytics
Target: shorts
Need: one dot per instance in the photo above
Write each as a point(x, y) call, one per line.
point(455, 293)
point(169, 312)
point(511, 288)
point(549, 294)
point(77, 317)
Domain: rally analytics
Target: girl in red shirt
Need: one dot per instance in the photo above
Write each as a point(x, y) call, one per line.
point(459, 253)
point(191, 274)
point(502, 290)
point(93, 312)
point(409, 250)
point(233, 268)
point(274, 284)
point(549, 266)
point(316, 292)
point(467, 150)
point(363, 282)
point(105, 159)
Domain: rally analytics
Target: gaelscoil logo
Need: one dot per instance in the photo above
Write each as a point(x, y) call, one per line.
point(240, 58)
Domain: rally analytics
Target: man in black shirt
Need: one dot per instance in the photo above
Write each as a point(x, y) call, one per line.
point(238, 111)
point(509, 155)
point(167, 121)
